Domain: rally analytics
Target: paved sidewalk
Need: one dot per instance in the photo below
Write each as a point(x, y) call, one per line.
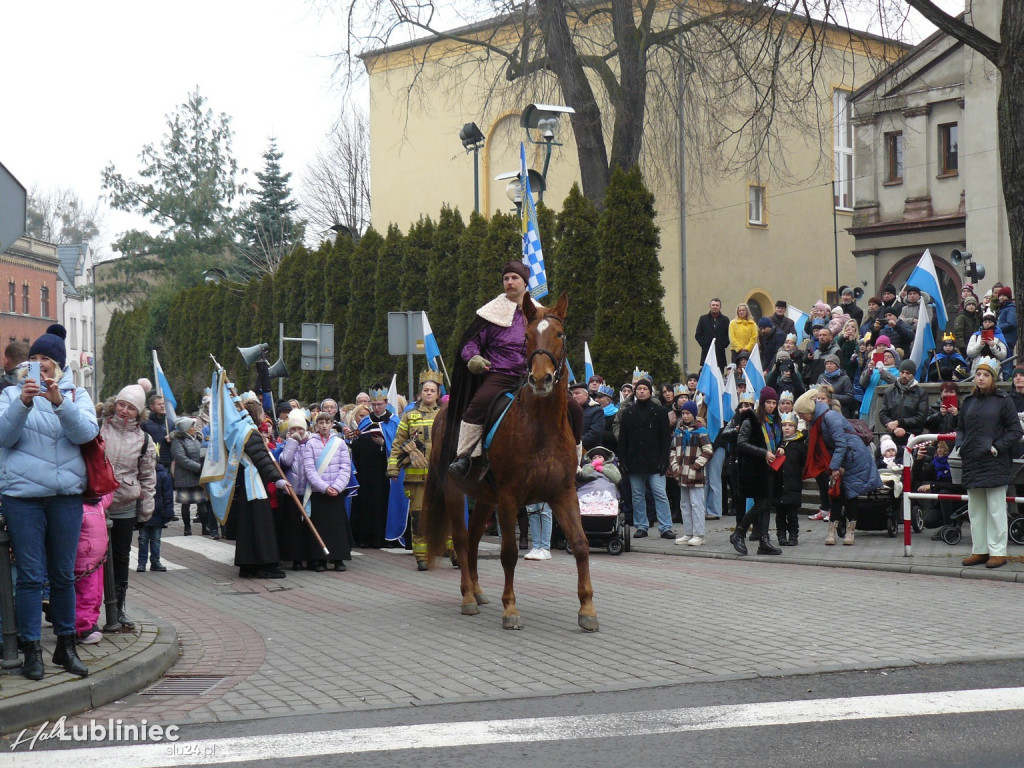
point(381, 634)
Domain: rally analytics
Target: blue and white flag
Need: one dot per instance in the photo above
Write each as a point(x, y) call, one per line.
point(799, 318)
point(925, 277)
point(588, 364)
point(754, 372)
point(924, 340)
point(229, 429)
point(572, 376)
point(729, 396)
point(164, 390)
point(710, 383)
point(533, 255)
point(431, 349)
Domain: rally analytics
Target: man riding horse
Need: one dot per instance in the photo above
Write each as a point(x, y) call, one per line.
point(492, 360)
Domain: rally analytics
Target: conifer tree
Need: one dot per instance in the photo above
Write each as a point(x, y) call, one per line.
point(267, 226)
point(503, 243)
point(378, 365)
point(419, 244)
point(360, 316)
point(470, 247)
point(573, 267)
point(631, 328)
point(314, 279)
point(443, 281)
point(338, 270)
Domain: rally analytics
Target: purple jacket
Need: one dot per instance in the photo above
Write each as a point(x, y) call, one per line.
point(335, 475)
point(503, 347)
point(291, 462)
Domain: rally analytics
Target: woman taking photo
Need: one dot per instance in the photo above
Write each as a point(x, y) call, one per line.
point(758, 444)
point(987, 433)
point(327, 468)
point(42, 424)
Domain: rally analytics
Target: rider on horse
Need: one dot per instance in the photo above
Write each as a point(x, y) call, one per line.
point(492, 360)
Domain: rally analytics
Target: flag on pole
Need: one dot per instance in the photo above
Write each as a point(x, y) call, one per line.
point(572, 376)
point(711, 384)
point(164, 390)
point(925, 278)
point(229, 429)
point(924, 341)
point(799, 318)
point(754, 372)
point(729, 396)
point(588, 364)
point(393, 394)
point(533, 255)
point(433, 352)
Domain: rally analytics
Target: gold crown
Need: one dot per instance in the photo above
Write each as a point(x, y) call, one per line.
point(948, 337)
point(429, 375)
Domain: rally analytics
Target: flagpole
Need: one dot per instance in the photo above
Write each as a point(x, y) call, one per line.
point(443, 368)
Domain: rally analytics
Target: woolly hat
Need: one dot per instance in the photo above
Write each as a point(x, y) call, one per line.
point(832, 359)
point(913, 289)
point(782, 355)
point(821, 306)
point(646, 382)
point(51, 344)
point(989, 315)
point(847, 291)
point(790, 337)
point(970, 300)
point(765, 322)
point(886, 444)
point(133, 394)
point(883, 341)
point(742, 355)
point(516, 266)
point(296, 418)
point(769, 393)
point(889, 288)
point(184, 423)
point(1006, 291)
point(909, 366)
point(690, 406)
point(1017, 369)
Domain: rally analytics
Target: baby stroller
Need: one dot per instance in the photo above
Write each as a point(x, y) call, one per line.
point(952, 533)
point(882, 509)
point(600, 512)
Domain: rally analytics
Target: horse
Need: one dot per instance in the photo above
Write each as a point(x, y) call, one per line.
point(532, 459)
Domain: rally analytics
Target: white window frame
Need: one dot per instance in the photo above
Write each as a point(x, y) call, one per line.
point(756, 194)
point(843, 173)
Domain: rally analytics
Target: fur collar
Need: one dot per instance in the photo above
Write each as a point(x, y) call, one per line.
point(500, 310)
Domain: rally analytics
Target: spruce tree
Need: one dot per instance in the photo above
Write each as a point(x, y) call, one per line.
point(267, 226)
point(360, 316)
point(314, 280)
point(573, 267)
point(418, 246)
point(503, 243)
point(470, 247)
point(338, 272)
point(378, 365)
point(631, 329)
point(443, 281)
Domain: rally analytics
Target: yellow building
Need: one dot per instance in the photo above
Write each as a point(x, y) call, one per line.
point(749, 233)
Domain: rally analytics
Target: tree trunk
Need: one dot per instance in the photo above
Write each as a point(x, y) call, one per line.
point(631, 101)
point(1011, 141)
point(564, 61)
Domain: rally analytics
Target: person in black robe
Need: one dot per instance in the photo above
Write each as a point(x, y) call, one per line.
point(370, 452)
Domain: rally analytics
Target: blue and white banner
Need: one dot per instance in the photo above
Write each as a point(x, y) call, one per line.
point(926, 278)
point(729, 396)
point(229, 429)
point(754, 372)
point(924, 340)
point(164, 390)
point(433, 352)
point(711, 384)
point(533, 255)
point(588, 364)
point(799, 318)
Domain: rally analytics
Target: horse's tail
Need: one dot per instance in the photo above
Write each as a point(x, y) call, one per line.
point(434, 515)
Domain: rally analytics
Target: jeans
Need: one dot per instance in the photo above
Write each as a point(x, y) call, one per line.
point(713, 489)
point(691, 505)
point(44, 536)
point(637, 486)
point(540, 525)
point(149, 544)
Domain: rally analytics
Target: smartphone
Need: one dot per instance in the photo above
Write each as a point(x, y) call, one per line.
point(877, 357)
point(33, 372)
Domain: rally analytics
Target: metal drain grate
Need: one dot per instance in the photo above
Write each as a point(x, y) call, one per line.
point(184, 685)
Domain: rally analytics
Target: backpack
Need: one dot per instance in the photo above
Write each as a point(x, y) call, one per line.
point(860, 428)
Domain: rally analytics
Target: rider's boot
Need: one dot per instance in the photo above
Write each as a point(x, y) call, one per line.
point(469, 446)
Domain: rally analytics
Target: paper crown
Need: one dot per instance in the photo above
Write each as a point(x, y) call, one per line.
point(680, 389)
point(786, 396)
point(746, 397)
point(606, 390)
point(948, 337)
point(429, 375)
point(378, 392)
point(789, 418)
point(988, 363)
point(638, 374)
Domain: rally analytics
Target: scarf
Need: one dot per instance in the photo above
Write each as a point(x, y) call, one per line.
point(869, 393)
point(941, 465)
point(818, 457)
point(611, 409)
point(772, 433)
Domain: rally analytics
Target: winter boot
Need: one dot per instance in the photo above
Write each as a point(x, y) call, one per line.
point(830, 539)
point(851, 526)
point(766, 548)
point(737, 540)
point(469, 446)
point(122, 617)
point(66, 656)
point(33, 666)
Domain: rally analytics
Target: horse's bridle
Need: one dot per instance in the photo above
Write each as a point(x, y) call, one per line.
point(559, 363)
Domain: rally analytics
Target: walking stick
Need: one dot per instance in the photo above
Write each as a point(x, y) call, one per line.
point(291, 491)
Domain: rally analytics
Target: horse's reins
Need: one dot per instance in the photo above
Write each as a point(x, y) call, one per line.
point(559, 363)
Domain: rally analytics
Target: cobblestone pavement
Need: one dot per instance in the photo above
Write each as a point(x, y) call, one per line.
point(385, 635)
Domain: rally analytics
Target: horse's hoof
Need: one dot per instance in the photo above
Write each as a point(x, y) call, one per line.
point(470, 609)
point(589, 623)
point(481, 598)
point(511, 622)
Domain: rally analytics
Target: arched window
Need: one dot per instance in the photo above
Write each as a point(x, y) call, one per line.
point(949, 281)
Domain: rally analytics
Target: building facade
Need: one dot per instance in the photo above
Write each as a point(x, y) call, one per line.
point(77, 313)
point(28, 279)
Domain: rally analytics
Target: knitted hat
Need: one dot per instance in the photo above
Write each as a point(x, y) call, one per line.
point(970, 300)
point(516, 266)
point(886, 444)
point(883, 341)
point(913, 289)
point(133, 394)
point(690, 406)
point(847, 291)
point(184, 423)
point(889, 288)
point(909, 366)
point(821, 306)
point(1006, 291)
point(646, 382)
point(51, 344)
point(832, 359)
point(1017, 369)
point(769, 393)
point(765, 322)
point(989, 315)
point(596, 378)
point(296, 418)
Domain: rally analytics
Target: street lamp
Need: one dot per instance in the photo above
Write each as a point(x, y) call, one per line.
point(514, 188)
point(472, 140)
point(214, 276)
point(543, 120)
point(341, 229)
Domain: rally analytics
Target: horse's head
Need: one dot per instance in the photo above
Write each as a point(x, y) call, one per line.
point(545, 344)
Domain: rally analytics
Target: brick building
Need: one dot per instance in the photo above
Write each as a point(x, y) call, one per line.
point(28, 289)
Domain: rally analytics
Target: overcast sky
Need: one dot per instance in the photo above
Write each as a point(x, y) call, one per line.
point(84, 84)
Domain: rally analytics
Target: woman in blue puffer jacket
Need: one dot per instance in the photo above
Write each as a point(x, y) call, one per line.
point(42, 475)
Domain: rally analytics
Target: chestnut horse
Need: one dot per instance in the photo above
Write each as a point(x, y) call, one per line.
point(532, 458)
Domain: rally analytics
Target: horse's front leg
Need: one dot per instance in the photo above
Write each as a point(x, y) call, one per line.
point(477, 523)
point(567, 511)
point(507, 510)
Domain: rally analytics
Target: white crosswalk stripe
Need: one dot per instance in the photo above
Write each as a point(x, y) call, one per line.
point(529, 730)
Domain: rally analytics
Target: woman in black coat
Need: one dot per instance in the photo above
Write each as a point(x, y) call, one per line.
point(758, 444)
point(987, 434)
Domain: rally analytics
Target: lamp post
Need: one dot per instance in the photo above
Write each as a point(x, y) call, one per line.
point(543, 119)
point(472, 140)
point(341, 229)
point(514, 188)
